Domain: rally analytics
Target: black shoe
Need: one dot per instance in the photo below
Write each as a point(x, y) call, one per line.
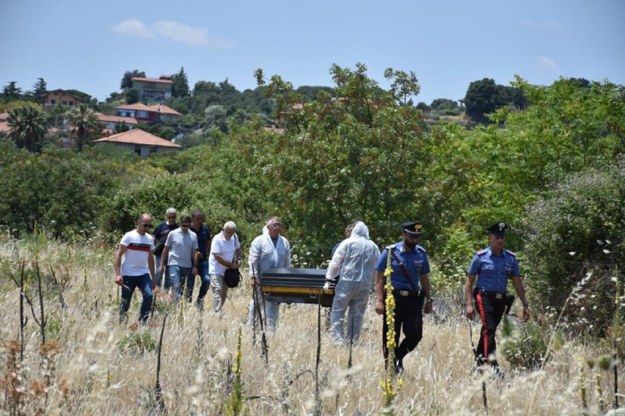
point(496, 372)
point(399, 366)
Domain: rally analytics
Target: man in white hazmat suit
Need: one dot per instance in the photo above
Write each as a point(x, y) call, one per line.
point(267, 251)
point(354, 260)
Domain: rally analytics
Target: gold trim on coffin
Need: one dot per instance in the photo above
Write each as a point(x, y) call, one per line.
point(304, 290)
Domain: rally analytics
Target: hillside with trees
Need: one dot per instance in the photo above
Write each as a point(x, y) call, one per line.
point(548, 160)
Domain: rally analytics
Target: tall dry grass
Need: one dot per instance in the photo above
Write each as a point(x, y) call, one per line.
point(103, 368)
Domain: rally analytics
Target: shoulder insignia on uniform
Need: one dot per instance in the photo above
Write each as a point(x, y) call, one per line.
point(512, 253)
point(421, 248)
point(483, 251)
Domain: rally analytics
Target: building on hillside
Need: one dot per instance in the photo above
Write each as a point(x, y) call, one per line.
point(111, 123)
point(152, 89)
point(165, 113)
point(62, 98)
point(148, 113)
point(139, 141)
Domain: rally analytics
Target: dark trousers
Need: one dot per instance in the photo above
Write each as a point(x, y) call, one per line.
point(205, 282)
point(491, 311)
point(409, 319)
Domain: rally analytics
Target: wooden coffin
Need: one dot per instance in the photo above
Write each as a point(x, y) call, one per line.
point(285, 285)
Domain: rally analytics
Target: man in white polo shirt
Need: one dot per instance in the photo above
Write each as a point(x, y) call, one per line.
point(137, 267)
point(225, 254)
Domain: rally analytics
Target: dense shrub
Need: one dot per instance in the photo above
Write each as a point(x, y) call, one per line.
point(575, 247)
point(186, 192)
point(524, 345)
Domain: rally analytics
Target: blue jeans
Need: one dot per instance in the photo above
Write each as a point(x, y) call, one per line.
point(144, 283)
point(178, 275)
point(158, 275)
point(206, 281)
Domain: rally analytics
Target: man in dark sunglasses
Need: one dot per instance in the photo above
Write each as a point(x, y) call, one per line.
point(180, 255)
point(134, 267)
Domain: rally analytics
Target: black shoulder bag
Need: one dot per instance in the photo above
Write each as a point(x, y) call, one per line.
point(232, 277)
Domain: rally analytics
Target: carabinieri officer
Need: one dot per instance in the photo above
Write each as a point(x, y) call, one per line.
point(411, 287)
point(492, 266)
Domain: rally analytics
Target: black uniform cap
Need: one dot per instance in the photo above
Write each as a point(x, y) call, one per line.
point(412, 228)
point(498, 228)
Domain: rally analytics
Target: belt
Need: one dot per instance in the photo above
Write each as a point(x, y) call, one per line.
point(406, 293)
point(496, 295)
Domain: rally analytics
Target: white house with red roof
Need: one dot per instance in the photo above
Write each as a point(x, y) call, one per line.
point(153, 89)
point(139, 141)
point(110, 122)
point(148, 113)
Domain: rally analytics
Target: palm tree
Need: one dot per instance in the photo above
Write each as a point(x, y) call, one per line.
point(27, 127)
point(84, 120)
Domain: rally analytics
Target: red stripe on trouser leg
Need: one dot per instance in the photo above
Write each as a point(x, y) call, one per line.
point(480, 306)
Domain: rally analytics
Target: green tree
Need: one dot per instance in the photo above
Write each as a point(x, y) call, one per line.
point(27, 127)
point(336, 161)
point(481, 99)
point(357, 91)
point(484, 97)
point(311, 93)
point(11, 90)
point(215, 116)
point(444, 104)
point(132, 96)
point(180, 84)
point(403, 86)
point(85, 123)
point(423, 107)
point(39, 90)
point(126, 82)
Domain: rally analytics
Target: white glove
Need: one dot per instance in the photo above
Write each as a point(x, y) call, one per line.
point(326, 286)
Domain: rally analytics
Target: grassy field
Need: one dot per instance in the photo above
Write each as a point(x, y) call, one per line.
point(94, 366)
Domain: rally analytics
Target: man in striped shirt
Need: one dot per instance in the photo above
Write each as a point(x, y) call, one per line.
point(136, 268)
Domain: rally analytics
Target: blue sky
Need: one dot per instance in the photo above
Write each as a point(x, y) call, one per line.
point(88, 45)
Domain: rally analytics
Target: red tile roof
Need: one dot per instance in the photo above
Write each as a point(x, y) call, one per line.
point(138, 136)
point(135, 106)
point(163, 109)
point(163, 81)
point(107, 118)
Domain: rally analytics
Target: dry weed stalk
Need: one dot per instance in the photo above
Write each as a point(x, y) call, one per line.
point(159, 402)
point(22, 318)
point(13, 379)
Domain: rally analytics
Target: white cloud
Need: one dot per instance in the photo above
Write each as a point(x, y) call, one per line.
point(133, 27)
point(547, 64)
point(172, 30)
point(179, 32)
